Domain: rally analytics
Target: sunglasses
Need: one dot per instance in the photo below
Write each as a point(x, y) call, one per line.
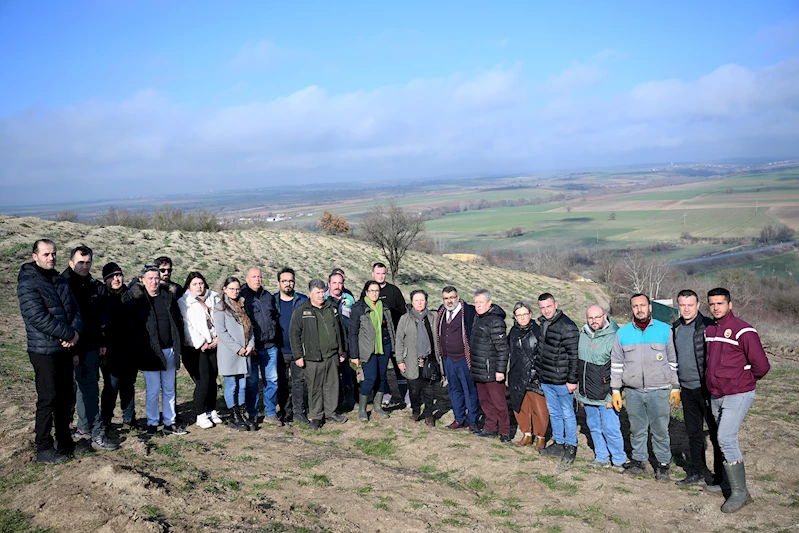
point(165, 270)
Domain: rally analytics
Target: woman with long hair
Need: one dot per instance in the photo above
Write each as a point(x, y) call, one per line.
point(236, 343)
point(200, 343)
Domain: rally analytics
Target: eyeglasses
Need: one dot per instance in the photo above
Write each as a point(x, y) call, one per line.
point(520, 315)
point(165, 270)
point(595, 318)
point(234, 289)
point(374, 291)
point(287, 281)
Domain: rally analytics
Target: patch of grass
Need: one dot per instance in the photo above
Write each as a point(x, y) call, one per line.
point(270, 484)
point(554, 529)
point(552, 483)
point(12, 251)
point(246, 458)
point(528, 459)
point(507, 524)
point(12, 521)
point(794, 500)
point(500, 512)
point(310, 463)
point(511, 502)
point(416, 504)
point(321, 480)
point(554, 511)
point(170, 449)
point(377, 447)
point(450, 503)
point(485, 499)
point(458, 445)
point(765, 477)
point(578, 478)
point(382, 505)
point(366, 489)
point(29, 474)
point(477, 484)
point(151, 512)
point(452, 522)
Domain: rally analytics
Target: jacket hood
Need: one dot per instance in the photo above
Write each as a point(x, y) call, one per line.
point(495, 310)
point(610, 329)
point(30, 269)
point(73, 277)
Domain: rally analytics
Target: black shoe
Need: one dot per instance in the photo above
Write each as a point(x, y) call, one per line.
point(301, 418)
point(50, 456)
point(174, 429)
point(569, 453)
point(102, 443)
point(505, 438)
point(315, 424)
point(487, 434)
point(692, 479)
point(662, 472)
point(130, 424)
point(634, 467)
point(553, 450)
point(337, 418)
point(152, 430)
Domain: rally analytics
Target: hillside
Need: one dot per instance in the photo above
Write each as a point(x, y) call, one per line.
point(384, 476)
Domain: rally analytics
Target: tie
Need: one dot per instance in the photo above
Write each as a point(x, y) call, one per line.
point(449, 317)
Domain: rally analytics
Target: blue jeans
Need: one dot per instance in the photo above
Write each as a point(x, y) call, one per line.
point(560, 403)
point(87, 399)
point(264, 365)
point(649, 411)
point(375, 372)
point(603, 422)
point(462, 391)
point(234, 390)
point(729, 412)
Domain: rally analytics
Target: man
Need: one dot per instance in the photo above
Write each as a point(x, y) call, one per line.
point(117, 363)
point(557, 369)
point(291, 383)
point(157, 335)
point(689, 343)
point(453, 329)
point(261, 310)
point(165, 270)
point(340, 271)
point(735, 363)
point(394, 301)
point(643, 362)
point(343, 302)
point(593, 390)
point(489, 353)
point(317, 338)
point(52, 326)
point(90, 295)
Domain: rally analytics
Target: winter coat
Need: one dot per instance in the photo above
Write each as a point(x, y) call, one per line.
point(522, 377)
point(735, 357)
point(144, 328)
point(282, 340)
point(362, 333)
point(49, 310)
point(593, 385)
point(90, 295)
point(489, 345)
point(116, 331)
point(557, 363)
point(407, 348)
point(304, 331)
point(644, 360)
point(195, 322)
point(231, 339)
point(700, 323)
point(261, 309)
point(393, 300)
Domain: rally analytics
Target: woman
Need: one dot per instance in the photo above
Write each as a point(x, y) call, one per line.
point(526, 394)
point(371, 339)
point(236, 343)
point(200, 341)
point(416, 357)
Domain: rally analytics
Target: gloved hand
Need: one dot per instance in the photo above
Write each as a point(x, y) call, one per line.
point(674, 399)
point(617, 401)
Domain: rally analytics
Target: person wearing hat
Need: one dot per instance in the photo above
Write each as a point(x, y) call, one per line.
point(116, 362)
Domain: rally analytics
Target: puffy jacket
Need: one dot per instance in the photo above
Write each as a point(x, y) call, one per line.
point(522, 376)
point(49, 309)
point(557, 362)
point(195, 318)
point(304, 331)
point(407, 349)
point(144, 328)
point(700, 323)
point(735, 357)
point(362, 333)
point(489, 345)
point(90, 295)
point(593, 385)
point(644, 360)
point(261, 310)
point(116, 333)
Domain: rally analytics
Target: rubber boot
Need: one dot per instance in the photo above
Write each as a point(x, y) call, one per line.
point(722, 489)
point(377, 405)
point(349, 398)
point(363, 401)
point(739, 495)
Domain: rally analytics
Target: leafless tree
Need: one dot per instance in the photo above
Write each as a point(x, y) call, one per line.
point(391, 229)
point(640, 274)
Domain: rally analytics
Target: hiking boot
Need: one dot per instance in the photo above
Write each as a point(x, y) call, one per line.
point(487, 434)
point(415, 417)
point(152, 430)
point(377, 406)
point(662, 472)
point(569, 453)
point(616, 468)
point(50, 456)
point(301, 418)
point(634, 467)
point(692, 479)
point(504, 439)
point(527, 440)
point(203, 421)
point(430, 421)
point(739, 494)
point(555, 449)
point(596, 463)
point(337, 418)
point(455, 425)
point(236, 421)
point(174, 429)
point(363, 400)
point(102, 443)
point(315, 424)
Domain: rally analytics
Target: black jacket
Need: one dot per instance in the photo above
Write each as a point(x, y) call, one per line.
point(144, 328)
point(557, 361)
point(261, 310)
point(90, 295)
point(304, 331)
point(49, 309)
point(523, 351)
point(701, 322)
point(489, 345)
point(116, 333)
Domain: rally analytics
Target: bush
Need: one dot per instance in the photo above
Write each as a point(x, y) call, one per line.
point(774, 233)
point(333, 224)
point(66, 216)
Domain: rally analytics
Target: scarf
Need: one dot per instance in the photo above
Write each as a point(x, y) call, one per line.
point(241, 316)
point(422, 338)
point(209, 317)
point(377, 322)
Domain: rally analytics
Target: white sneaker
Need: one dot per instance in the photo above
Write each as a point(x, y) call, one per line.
point(215, 417)
point(203, 422)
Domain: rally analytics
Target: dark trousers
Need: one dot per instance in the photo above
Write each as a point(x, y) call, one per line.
point(205, 386)
point(118, 381)
point(284, 388)
point(495, 407)
point(423, 391)
point(299, 389)
point(54, 390)
point(462, 392)
point(322, 380)
point(397, 383)
point(375, 373)
point(696, 411)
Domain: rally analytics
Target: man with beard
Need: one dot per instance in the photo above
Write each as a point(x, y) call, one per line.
point(165, 269)
point(644, 363)
point(343, 300)
point(291, 383)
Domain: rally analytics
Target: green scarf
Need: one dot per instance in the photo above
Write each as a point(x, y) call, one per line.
point(377, 322)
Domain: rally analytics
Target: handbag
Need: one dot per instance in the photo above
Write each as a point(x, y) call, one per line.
point(430, 369)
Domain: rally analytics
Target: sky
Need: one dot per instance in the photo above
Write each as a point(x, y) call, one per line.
point(109, 99)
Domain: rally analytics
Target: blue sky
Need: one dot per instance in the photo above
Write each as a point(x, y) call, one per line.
point(103, 99)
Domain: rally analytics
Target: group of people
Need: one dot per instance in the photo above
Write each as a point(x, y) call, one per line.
point(300, 357)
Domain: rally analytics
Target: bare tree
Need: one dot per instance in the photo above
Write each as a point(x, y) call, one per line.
point(391, 229)
point(640, 274)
